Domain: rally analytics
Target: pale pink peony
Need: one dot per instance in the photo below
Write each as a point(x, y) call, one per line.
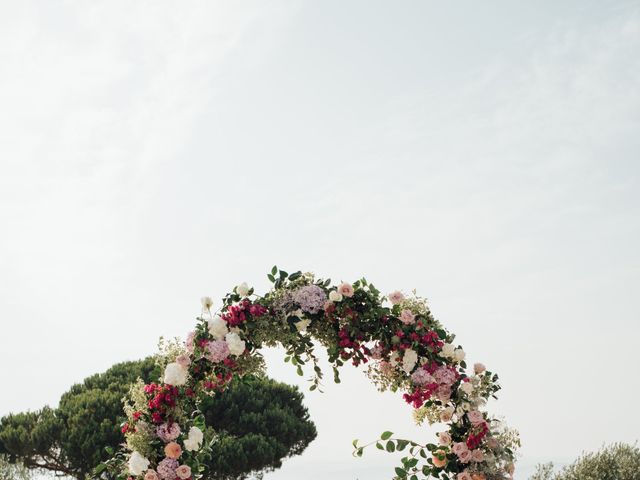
point(475, 417)
point(151, 475)
point(183, 472)
point(477, 455)
point(407, 317)
point(396, 297)
point(478, 368)
point(346, 290)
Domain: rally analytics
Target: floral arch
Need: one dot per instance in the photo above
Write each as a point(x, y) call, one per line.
point(403, 346)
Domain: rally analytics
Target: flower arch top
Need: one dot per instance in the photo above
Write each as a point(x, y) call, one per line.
point(403, 346)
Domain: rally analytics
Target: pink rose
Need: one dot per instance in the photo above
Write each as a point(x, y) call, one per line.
point(407, 317)
point(183, 472)
point(446, 415)
point(465, 456)
point(346, 290)
point(475, 417)
point(478, 368)
point(445, 438)
point(492, 443)
point(396, 297)
point(463, 476)
point(151, 475)
point(443, 393)
point(477, 455)
point(460, 447)
point(183, 360)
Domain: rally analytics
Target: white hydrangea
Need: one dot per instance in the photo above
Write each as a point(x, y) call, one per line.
point(137, 464)
point(218, 327)
point(175, 374)
point(409, 360)
point(235, 343)
point(194, 439)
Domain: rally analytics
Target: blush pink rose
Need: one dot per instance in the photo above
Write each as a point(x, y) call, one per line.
point(460, 447)
point(396, 297)
point(465, 456)
point(445, 438)
point(151, 475)
point(475, 417)
point(478, 368)
point(477, 455)
point(183, 472)
point(407, 317)
point(172, 450)
point(183, 360)
point(346, 290)
point(492, 443)
point(463, 476)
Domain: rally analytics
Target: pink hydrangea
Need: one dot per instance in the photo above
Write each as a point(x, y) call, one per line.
point(167, 469)
point(444, 375)
point(217, 351)
point(168, 432)
point(421, 377)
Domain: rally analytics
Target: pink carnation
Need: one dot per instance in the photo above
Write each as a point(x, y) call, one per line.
point(217, 350)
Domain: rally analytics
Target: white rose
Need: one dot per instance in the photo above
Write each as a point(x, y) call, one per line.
point(409, 360)
point(137, 464)
point(467, 387)
point(194, 440)
point(335, 296)
point(235, 343)
point(242, 289)
point(175, 374)
point(446, 415)
point(447, 350)
point(218, 327)
point(459, 355)
point(302, 325)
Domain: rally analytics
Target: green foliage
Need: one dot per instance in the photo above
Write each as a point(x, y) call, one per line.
point(614, 462)
point(260, 422)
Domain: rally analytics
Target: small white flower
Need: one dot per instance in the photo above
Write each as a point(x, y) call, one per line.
point(302, 325)
point(207, 303)
point(459, 355)
point(394, 359)
point(235, 343)
point(218, 327)
point(409, 360)
point(242, 289)
point(446, 415)
point(137, 464)
point(175, 374)
point(194, 439)
point(335, 296)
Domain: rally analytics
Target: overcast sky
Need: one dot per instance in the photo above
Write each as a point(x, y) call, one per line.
point(485, 153)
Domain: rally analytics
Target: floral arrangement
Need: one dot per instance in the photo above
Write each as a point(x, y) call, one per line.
point(403, 346)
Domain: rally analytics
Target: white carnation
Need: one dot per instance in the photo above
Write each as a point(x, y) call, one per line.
point(302, 325)
point(459, 355)
point(334, 296)
point(409, 360)
point(194, 439)
point(242, 289)
point(235, 343)
point(175, 374)
point(218, 327)
point(137, 464)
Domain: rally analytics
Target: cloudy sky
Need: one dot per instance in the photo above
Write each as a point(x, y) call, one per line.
point(485, 153)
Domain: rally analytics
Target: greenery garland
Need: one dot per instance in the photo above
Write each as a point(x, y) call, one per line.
point(403, 346)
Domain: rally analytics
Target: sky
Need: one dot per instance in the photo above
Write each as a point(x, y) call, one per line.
point(484, 153)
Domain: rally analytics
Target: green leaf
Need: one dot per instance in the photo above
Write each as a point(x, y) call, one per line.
point(274, 270)
point(401, 472)
point(386, 435)
point(391, 447)
point(379, 446)
point(271, 277)
point(99, 469)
